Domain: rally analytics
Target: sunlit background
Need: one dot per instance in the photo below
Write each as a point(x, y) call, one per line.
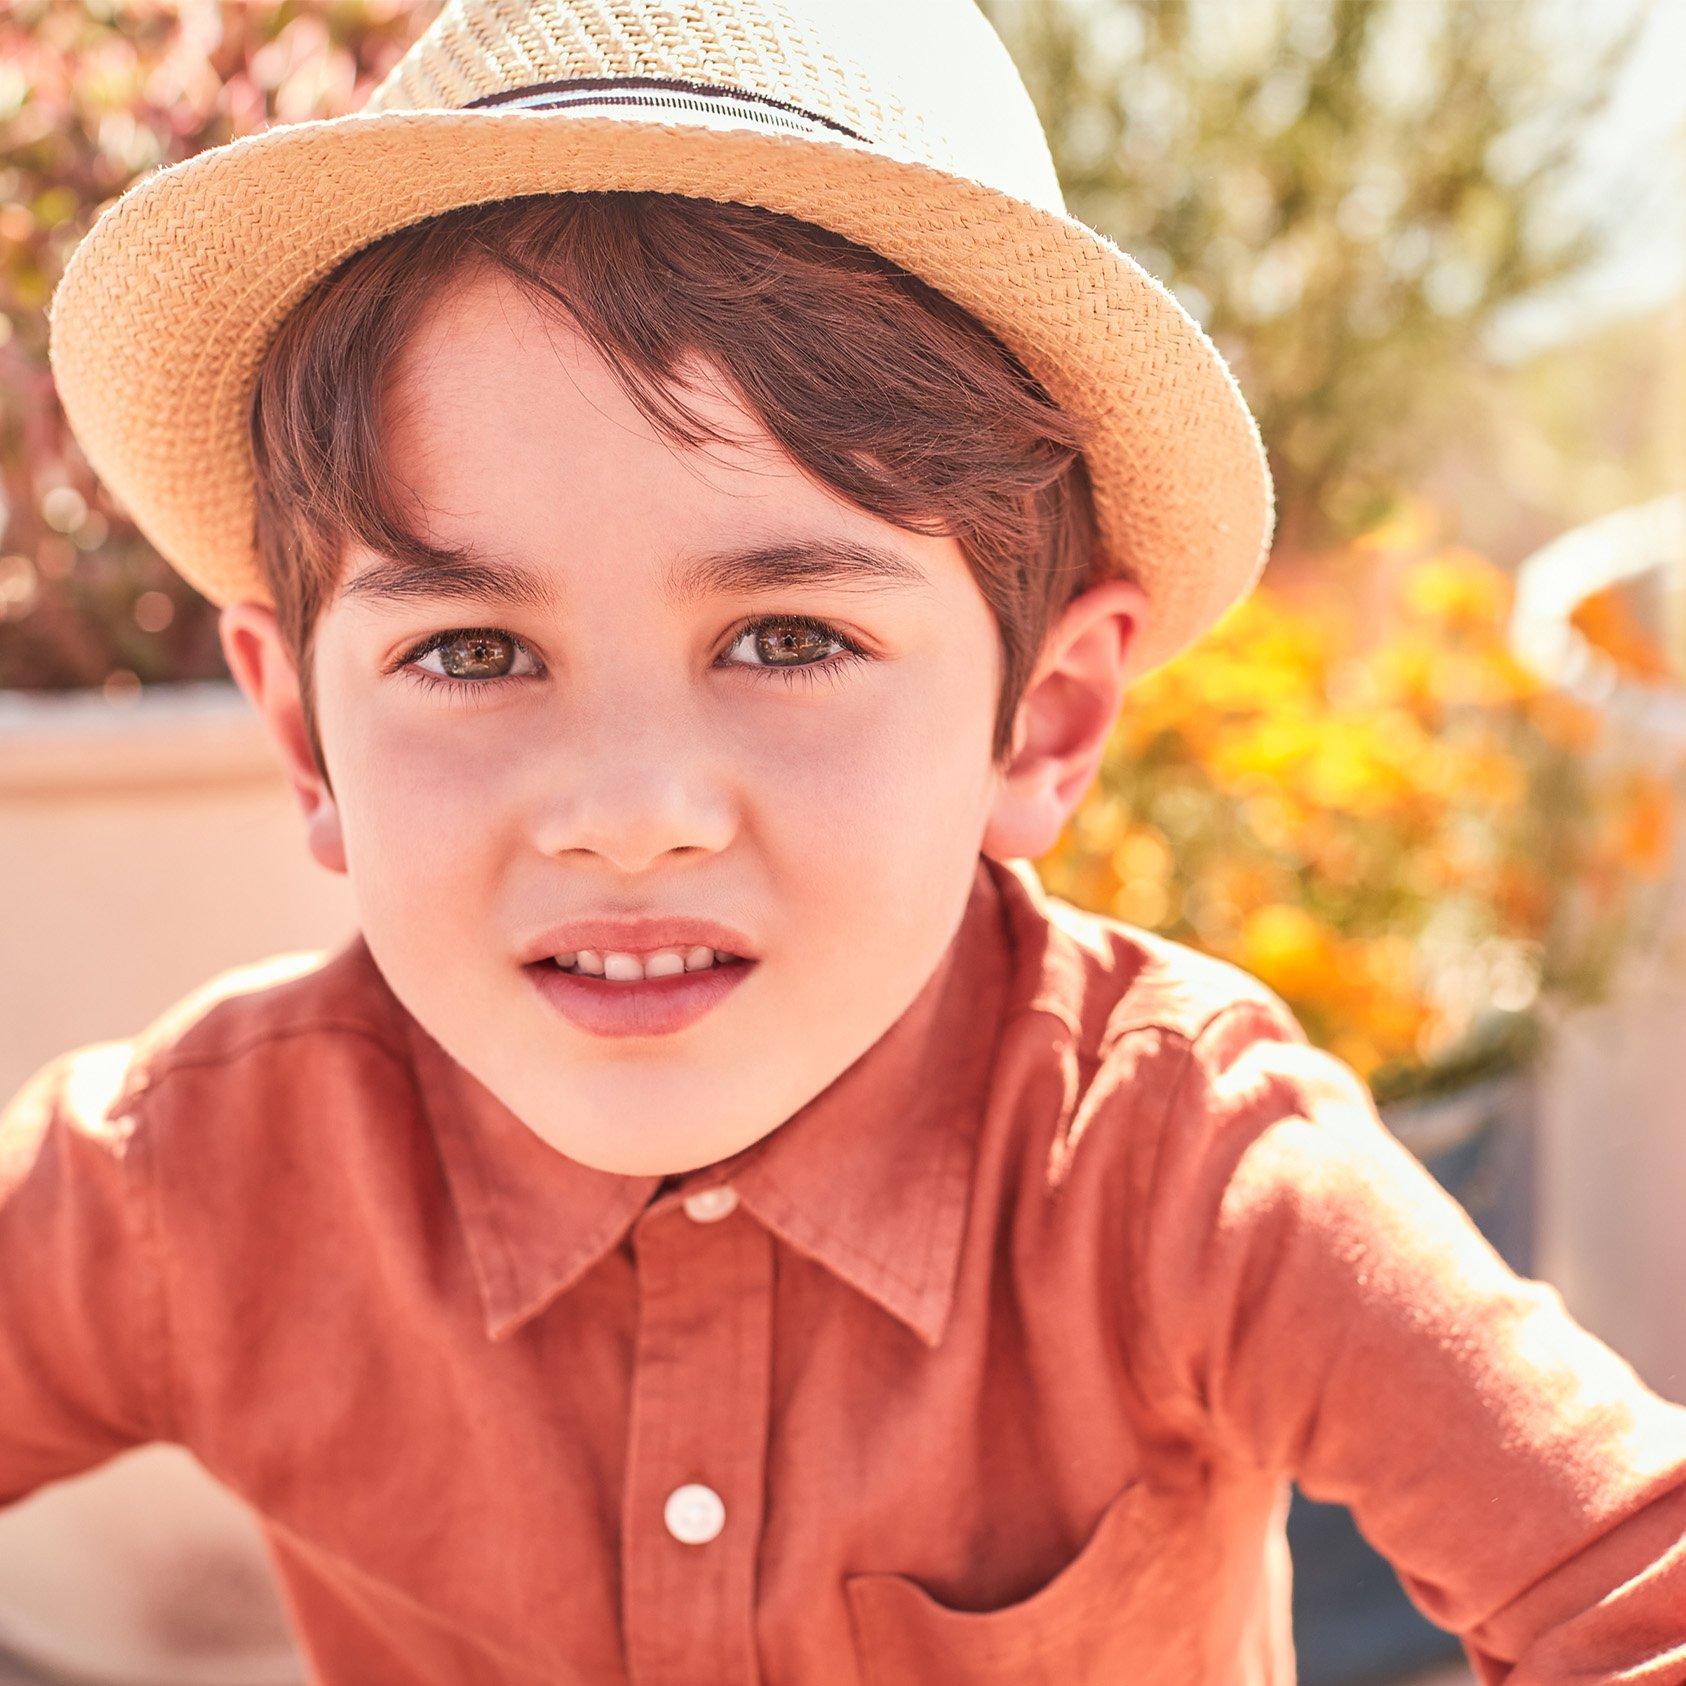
point(1426, 782)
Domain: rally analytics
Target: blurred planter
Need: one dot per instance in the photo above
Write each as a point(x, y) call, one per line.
point(1353, 1623)
point(146, 846)
point(1601, 613)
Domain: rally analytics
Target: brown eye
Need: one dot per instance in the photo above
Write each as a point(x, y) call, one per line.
point(473, 660)
point(475, 655)
point(793, 649)
point(784, 642)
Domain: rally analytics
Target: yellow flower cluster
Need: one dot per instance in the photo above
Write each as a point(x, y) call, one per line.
point(1394, 825)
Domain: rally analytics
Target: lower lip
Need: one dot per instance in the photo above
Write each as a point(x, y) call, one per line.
point(649, 1007)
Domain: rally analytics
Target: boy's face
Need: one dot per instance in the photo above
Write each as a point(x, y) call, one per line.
point(629, 749)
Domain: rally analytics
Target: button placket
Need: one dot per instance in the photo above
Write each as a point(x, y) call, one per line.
point(691, 1517)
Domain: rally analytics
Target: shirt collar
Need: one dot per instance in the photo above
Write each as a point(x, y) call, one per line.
point(871, 1178)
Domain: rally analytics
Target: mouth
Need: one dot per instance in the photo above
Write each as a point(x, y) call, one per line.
point(636, 1006)
point(627, 968)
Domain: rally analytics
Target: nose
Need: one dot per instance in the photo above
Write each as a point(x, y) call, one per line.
point(631, 780)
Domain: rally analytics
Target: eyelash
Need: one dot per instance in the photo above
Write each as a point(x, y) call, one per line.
point(805, 673)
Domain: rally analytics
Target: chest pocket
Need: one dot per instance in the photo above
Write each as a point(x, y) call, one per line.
point(1126, 1607)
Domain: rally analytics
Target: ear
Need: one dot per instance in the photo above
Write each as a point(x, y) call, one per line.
point(1064, 720)
point(257, 657)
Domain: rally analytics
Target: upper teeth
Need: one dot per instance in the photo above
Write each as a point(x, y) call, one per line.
point(664, 963)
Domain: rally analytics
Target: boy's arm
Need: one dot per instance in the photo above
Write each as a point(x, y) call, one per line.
point(1323, 1307)
point(82, 1373)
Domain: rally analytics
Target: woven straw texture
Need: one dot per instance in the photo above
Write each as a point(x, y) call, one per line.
point(901, 124)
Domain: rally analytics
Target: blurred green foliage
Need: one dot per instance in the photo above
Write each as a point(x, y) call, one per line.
point(1344, 193)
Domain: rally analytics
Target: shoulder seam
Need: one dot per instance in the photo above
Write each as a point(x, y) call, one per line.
point(1166, 1028)
point(158, 1366)
point(151, 1076)
point(1258, 1003)
point(1285, 1023)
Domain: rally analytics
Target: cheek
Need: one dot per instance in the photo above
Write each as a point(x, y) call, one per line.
point(414, 804)
point(891, 758)
point(884, 809)
point(929, 748)
point(422, 762)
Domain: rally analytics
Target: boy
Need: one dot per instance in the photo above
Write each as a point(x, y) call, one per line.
point(718, 1220)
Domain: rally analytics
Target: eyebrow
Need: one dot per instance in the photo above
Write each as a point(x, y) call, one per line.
point(470, 574)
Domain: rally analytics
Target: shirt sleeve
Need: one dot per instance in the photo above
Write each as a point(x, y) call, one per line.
point(81, 1340)
point(1325, 1308)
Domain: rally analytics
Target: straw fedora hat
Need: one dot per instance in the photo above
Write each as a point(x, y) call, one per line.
point(901, 124)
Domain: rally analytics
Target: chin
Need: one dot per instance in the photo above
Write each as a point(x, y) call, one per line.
point(635, 1165)
point(634, 1151)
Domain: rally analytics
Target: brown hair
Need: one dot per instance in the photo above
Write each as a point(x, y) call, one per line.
point(881, 387)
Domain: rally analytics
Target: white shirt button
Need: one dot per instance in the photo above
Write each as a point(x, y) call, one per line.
point(694, 1513)
point(710, 1203)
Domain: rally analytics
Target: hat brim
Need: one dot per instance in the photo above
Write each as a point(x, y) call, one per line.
point(160, 321)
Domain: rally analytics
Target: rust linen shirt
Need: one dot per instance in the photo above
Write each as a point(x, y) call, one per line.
point(990, 1364)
